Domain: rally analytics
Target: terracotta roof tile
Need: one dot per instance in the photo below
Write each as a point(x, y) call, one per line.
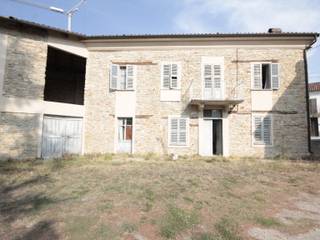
point(314, 87)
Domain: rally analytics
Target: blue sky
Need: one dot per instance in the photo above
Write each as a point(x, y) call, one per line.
point(180, 16)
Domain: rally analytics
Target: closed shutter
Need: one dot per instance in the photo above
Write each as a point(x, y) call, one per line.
point(182, 131)
point(174, 76)
point(275, 75)
point(166, 76)
point(257, 130)
point(130, 77)
point(267, 130)
point(217, 76)
point(174, 131)
point(256, 75)
point(114, 71)
point(207, 76)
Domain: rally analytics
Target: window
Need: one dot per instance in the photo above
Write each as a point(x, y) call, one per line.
point(170, 76)
point(178, 131)
point(313, 106)
point(122, 77)
point(262, 130)
point(314, 127)
point(125, 129)
point(265, 76)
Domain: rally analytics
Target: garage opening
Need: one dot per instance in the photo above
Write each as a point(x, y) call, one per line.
point(65, 77)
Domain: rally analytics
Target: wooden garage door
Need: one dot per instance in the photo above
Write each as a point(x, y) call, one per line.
point(60, 136)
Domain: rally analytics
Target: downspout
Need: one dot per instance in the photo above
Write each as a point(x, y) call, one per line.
point(307, 89)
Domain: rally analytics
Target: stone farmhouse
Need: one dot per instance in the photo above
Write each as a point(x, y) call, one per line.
point(241, 94)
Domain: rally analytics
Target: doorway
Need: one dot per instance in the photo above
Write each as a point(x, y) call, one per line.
point(211, 136)
point(124, 135)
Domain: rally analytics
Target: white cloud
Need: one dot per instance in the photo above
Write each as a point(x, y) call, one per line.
point(248, 15)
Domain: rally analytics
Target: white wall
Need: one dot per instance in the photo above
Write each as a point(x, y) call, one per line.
point(316, 95)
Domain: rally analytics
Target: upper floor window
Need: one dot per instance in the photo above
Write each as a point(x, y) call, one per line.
point(265, 76)
point(170, 76)
point(262, 130)
point(122, 77)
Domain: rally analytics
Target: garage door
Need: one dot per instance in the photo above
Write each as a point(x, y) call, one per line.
point(60, 136)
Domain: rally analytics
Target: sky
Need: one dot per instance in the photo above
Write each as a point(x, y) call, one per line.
point(104, 17)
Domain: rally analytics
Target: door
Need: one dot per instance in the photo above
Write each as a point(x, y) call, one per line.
point(61, 136)
point(213, 81)
point(124, 135)
point(211, 137)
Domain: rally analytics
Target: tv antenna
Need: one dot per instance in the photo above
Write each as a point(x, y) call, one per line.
point(69, 13)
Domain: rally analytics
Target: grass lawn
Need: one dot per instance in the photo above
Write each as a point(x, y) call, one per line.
point(148, 197)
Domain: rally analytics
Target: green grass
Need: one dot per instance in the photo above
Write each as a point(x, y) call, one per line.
point(267, 222)
point(177, 220)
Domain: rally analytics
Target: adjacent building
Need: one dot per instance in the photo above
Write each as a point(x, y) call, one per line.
point(226, 94)
point(314, 106)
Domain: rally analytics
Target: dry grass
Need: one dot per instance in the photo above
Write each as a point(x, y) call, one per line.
point(122, 196)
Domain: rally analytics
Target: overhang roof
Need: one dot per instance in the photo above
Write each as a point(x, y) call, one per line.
point(314, 87)
point(23, 23)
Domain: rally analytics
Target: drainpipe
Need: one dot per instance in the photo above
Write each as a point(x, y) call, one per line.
point(307, 89)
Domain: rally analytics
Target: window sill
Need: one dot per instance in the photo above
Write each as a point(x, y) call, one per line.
point(315, 138)
point(178, 146)
point(172, 89)
point(122, 90)
point(267, 90)
point(262, 145)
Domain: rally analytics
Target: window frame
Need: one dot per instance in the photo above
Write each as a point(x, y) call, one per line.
point(126, 80)
point(170, 83)
point(253, 142)
point(271, 82)
point(173, 145)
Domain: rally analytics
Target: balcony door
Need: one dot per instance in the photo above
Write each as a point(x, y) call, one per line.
point(212, 81)
point(124, 135)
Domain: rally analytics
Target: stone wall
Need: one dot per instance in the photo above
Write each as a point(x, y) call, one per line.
point(19, 135)
point(289, 115)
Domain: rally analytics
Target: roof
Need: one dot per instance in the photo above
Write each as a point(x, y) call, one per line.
point(23, 23)
point(314, 87)
point(12, 21)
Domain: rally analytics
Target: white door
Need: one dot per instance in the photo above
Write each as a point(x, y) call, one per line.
point(205, 138)
point(124, 135)
point(60, 136)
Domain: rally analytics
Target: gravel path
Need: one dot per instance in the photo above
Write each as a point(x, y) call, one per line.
point(304, 207)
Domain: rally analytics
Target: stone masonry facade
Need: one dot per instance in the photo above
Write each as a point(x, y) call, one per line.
point(289, 116)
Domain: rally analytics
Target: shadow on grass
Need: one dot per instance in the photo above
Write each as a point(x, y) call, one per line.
point(41, 230)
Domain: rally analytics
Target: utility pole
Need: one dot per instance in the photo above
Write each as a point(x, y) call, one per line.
point(69, 13)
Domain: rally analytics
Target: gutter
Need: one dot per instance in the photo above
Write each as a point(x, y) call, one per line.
point(307, 89)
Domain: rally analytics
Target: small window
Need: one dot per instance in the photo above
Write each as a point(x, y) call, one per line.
point(122, 77)
point(208, 113)
point(314, 127)
point(178, 131)
point(262, 130)
point(170, 76)
point(265, 76)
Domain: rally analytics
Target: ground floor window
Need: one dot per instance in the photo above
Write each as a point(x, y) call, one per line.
point(262, 130)
point(125, 135)
point(178, 131)
point(314, 127)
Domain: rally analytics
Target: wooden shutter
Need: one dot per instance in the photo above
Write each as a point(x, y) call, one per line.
point(256, 76)
point(173, 131)
point(130, 77)
point(114, 71)
point(217, 76)
point(313, 108)
point(267, 130)
point(207, 76)
point(257, 121)
point(166, 72)
point(182, 131)
point(275, 75)
point(174, 76)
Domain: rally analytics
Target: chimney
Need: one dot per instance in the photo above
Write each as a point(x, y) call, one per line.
point(274, 30)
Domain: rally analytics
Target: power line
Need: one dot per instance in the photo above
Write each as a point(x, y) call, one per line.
point(26, 2)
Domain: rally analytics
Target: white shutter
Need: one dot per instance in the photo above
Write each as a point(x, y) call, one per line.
point(174, 76)
point(114, 71)
point(207, 76)
point(166, 72)
point(257, 121)
point(182, 131)
point(275, 75)
point(267, 130)
point(130, 77)
point(256, 76)
point(173, 131)
point(217, 76)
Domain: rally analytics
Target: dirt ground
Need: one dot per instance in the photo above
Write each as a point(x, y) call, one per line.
point(145, 197)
